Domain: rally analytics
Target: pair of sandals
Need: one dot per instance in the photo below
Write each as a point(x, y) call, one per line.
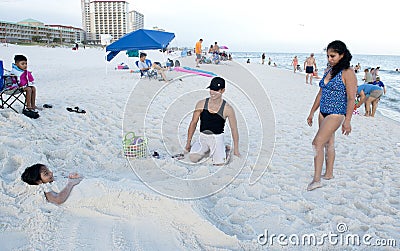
point(178, 156)
point(76, 109)
point(31, 113)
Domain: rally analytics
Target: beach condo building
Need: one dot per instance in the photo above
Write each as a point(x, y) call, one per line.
point(135, 21)
point(30, 30)
point(104, 17)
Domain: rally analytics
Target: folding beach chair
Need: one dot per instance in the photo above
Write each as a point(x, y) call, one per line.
point(148, 73)
point(10, 93)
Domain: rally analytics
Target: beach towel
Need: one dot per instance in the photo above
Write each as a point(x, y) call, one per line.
point(132, 53)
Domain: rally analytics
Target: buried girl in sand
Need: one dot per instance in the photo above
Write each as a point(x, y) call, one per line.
point(41, 176)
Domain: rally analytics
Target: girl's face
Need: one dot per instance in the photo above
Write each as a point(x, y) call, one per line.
point(333, 57)
point(23, 65)
point(46, 175)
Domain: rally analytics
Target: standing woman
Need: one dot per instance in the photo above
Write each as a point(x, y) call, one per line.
point(295, 62)
point(335, 100)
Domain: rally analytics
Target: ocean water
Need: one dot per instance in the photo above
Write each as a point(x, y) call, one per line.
point(389, 105)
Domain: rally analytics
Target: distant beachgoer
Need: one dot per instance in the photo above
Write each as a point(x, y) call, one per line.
point(248, 61)
point(295, 62)
point(263, 58)
point(197, 50)
point(230, 56)
point(367, 76)
point(372, 71)
point(269, 61)
point(41, 176)
point(216, 48)
point(370, 95)
point(375, 73)
point(211, 50)
point(335, 100)
point(309, 65)
point(357, 68)
point(212, 112)
point(76, 45)
point(379, 83)
point(315, 74)
point(26, 81)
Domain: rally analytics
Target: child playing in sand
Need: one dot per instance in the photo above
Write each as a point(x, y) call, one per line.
point(25, 78)
point(40, 175)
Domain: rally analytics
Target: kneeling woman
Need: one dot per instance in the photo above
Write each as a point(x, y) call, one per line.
point(335, 100)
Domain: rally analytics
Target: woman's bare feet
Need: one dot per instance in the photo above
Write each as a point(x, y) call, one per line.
point(314, 185)
point(327, 177)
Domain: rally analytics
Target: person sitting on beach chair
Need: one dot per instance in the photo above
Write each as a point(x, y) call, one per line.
point(41, 176)
point(10, 92)
point(146, 73)
point(145, 66)
point(25, 78)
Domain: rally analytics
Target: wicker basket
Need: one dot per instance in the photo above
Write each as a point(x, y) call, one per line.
point(134, 146)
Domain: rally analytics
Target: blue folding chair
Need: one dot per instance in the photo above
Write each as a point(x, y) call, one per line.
point(10, 92)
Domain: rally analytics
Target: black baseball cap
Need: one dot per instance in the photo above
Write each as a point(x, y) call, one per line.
point(217, 84)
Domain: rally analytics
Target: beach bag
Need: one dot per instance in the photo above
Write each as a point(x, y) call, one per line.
point(177, 63)
point(134, 146)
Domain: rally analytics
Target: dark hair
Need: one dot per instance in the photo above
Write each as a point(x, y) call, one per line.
point(31, 175)
point(18, 58)
point(344, 63)
point(142, 54)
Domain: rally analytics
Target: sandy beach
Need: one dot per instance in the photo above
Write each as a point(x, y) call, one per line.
point(166, 204)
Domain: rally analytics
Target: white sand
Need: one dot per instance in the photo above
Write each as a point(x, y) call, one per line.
point(112, 209)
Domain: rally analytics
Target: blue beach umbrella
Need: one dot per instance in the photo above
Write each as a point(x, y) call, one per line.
point(140, 40)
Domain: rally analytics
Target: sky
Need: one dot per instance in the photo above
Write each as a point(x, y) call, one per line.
point(248, 26)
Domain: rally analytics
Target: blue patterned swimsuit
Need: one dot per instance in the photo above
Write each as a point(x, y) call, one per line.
point(334, 96)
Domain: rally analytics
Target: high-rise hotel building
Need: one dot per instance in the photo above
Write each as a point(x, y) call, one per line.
point(135, 20)
point(104, 17)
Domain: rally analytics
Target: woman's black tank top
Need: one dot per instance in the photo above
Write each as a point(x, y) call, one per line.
point(212, 123)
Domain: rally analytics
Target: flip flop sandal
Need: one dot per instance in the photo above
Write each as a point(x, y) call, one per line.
point(47, 106)
point(70, 109)
point(178, 156)
point(78, 110)
point(156, 155)
point(30, 114)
